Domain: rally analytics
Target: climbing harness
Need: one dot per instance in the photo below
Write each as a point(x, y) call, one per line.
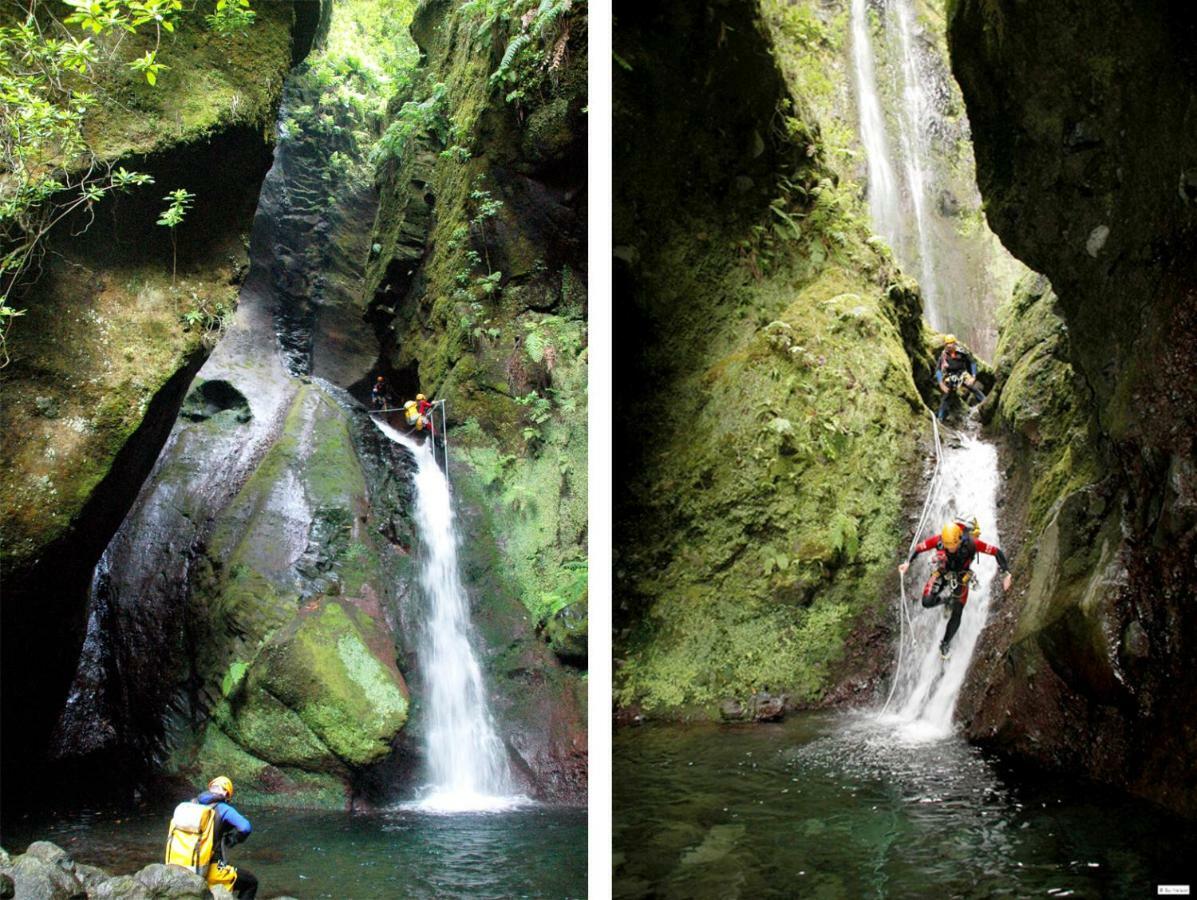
point(904, 615)
point(444, 461)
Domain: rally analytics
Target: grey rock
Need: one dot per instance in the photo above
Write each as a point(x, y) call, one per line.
point(50, 853)
point(7, 888)
point(91, 876)
point(123, 887)
point(35, 879)
point(165, 882)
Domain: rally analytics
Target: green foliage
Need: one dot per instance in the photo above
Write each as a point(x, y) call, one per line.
point(209, 315)
point(539, 411)
point(425, 118)
point(365, 58)
point(537, 51)
point(178, 202)
point(230, 16)
point(46, 72)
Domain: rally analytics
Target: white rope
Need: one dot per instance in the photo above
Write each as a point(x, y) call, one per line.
point(903, 612)
point(444, 443)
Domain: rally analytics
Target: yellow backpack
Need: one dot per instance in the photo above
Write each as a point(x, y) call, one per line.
point(189, 843)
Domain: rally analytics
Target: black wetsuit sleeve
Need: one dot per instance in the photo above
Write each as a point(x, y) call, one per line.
point(1001, 559)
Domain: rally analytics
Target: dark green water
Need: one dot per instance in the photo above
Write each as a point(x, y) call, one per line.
point(534, 852)
point(827, 806)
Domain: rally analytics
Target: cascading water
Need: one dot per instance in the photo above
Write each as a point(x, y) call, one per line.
point(925, 693)
point(466, 758)
point(894, 205)
point(927, 688)
point(884, 199)
point(913, 111)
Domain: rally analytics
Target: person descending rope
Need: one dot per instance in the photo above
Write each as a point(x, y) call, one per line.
point(956, 367)
point(424, 405)
point(417, 419)
point(199, 831)
point(955, 547)
point(378, 394)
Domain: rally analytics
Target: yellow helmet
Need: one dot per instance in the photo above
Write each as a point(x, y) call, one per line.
point(951, 535)
point(949, 339)
point(221, 785)
point(421, 397)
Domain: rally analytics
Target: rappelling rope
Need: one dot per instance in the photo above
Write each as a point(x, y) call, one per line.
point(903, 612)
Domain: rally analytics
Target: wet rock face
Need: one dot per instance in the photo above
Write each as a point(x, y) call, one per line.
point(1085, 127)
point(767, 410)
point(477, 273)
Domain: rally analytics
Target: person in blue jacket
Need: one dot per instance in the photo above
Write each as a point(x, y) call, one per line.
point(956, 367)
point(231, 828)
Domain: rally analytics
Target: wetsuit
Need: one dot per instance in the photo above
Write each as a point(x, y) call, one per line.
point(954, 366)
point(959, 563)
point(231, 827)
point(425, 409)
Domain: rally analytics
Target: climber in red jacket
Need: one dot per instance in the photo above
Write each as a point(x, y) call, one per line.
point(955, 548)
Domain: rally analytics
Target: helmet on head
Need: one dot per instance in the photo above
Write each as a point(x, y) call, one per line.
point(421, 397)
point(951, 535)
point(221, 785)
point(949, 340)
point(380, 378)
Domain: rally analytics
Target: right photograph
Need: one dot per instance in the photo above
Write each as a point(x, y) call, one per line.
point(905, 505)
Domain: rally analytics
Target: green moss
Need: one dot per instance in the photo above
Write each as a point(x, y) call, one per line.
point(322, 667)
point(212, 81)
point(765, 498)
point(257, 782)
point(1042, 400)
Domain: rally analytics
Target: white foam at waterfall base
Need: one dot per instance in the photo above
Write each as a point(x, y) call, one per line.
point(928, 687)
point(466, 759)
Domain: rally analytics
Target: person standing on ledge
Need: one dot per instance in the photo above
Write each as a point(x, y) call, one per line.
point(378, 394)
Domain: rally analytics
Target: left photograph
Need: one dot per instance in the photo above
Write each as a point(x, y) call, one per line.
point(293, 493)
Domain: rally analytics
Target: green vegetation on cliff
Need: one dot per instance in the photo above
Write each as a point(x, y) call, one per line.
point(771, 416)
point(106, 327)
point(479, 272)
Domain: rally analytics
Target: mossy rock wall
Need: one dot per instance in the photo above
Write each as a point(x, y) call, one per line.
point(814, 49)
point(768, 415)
point(104, 353)
point(477, 280)
point(1082, 117)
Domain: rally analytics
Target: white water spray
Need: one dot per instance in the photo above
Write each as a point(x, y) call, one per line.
point(895, 205)
point(928, 687)
point(466, 758)
point(884, 199)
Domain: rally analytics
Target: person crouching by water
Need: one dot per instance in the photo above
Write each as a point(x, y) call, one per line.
point(199, 832)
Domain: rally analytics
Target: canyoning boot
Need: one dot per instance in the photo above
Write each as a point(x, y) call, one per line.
point(943, 650)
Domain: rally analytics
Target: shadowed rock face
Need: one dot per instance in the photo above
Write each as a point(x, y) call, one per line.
point(103, 360)
point(1084, 116)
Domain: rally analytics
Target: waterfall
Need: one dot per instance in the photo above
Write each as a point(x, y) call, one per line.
point(915, 152)
point(928, 686)
point(884, 199)
point(893, 205)
point(466, 758)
